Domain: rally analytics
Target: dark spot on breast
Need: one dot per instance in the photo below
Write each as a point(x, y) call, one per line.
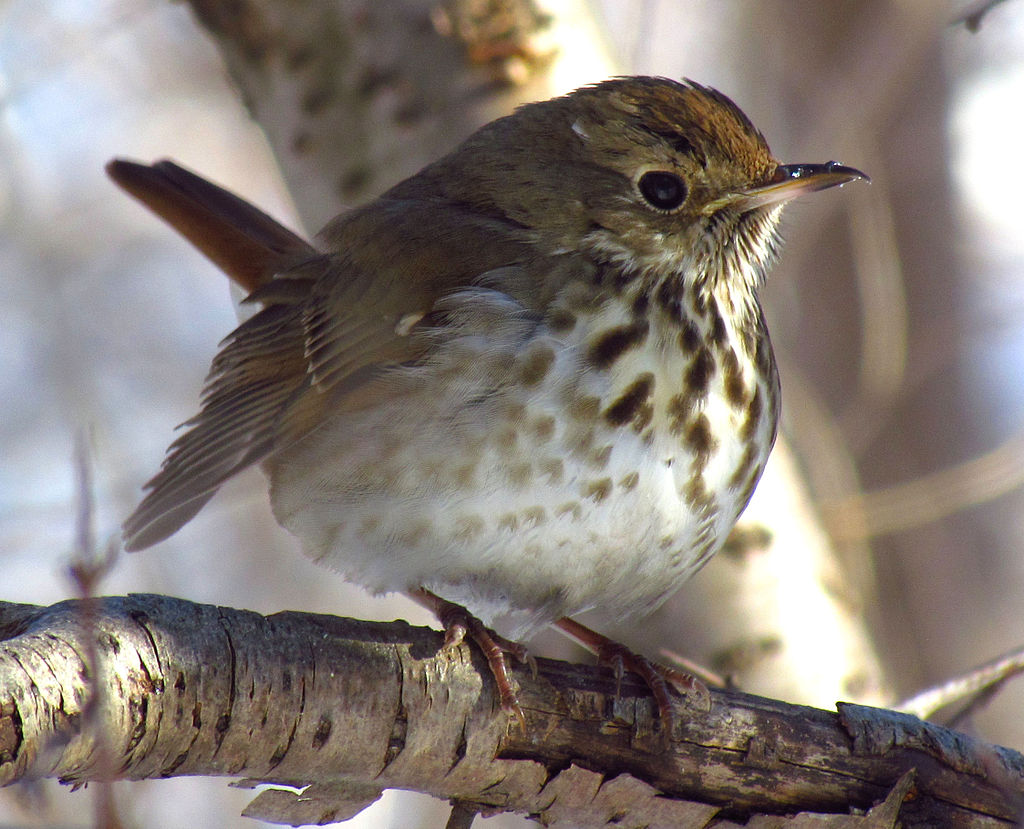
point(514, 411)
point(735, 389)
point(707, 547)
point(696, 494)
point(414, 535)
point(534, 367)
point(748, 339)
point(543, 428)
point(641, 302)
point(375, 79)
point(561, 320)
point(519, 474)
point(465, 476)
point(369, 524)
point(535, 515)
point(700, 303)
point(622, 277)
point(572, 508)
point(754, 412)
point(643, 417)
point(505, 438)
point(584, 408)
point(630, 480)
point(673, 291)
point(763, 357)
point(718, 333)
point(689, 337)
point(700, 441)
point(579, 297)
point(679, 408)
point(739, 476)
point(699, 374)
point(668, 293)
point(629, 402)
point(598, 490)
point(553, 468)
point(748, 490)
point(615, 342)
point(299, 57)
point(410, 113)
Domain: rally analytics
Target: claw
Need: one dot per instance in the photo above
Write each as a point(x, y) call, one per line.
point(458, 623)
point(656, 676)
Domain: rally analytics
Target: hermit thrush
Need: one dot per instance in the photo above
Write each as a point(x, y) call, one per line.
point(530, 380)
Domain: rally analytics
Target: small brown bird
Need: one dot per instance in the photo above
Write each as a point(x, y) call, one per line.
point(530, 380)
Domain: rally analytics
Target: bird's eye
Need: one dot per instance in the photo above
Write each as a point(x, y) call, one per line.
point(665, 191)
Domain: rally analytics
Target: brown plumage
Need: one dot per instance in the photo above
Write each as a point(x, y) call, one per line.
point(532, 379)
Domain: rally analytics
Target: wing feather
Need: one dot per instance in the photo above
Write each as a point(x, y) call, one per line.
point(328, 327)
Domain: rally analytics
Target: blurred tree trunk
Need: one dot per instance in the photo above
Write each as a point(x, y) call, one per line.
point(872, 395)
point(356, 96)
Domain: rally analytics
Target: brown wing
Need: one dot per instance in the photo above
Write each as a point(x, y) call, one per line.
point(254, 378)
point(330, 322)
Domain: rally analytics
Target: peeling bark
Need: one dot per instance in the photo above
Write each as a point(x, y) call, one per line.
point(342, 709)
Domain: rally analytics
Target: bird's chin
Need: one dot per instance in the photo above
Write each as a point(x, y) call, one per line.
point(739, 248)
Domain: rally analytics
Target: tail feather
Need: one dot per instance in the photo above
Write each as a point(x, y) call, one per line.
point(260, 372)
point(242, 240)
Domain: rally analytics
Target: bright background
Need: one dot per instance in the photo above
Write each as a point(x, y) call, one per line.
point(912, 367)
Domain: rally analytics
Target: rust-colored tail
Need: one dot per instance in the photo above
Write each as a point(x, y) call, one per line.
point(261, 368)
point(242, 240)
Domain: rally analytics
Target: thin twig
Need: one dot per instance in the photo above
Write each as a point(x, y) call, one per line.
point(930, 497)
point(86, 570)
point(976, 682)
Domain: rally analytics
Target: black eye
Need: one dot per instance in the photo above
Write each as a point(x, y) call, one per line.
point(665, 191)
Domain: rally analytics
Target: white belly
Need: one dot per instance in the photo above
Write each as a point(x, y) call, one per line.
point(522, 503)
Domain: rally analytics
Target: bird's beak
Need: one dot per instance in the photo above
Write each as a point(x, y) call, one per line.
point(787, 182)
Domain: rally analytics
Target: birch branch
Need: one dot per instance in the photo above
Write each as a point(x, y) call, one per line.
point(342, 709)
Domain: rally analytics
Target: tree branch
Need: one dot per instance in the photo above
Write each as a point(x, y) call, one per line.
point(344, 709)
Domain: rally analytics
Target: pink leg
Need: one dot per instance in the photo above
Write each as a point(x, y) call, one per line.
point(620, 658)
point(459, 623)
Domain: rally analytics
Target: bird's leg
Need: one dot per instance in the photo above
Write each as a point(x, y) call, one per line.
point(459, 623)
point(621, 659)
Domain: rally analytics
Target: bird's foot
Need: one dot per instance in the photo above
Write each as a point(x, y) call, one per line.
point(656, 676)
point(458, 623)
